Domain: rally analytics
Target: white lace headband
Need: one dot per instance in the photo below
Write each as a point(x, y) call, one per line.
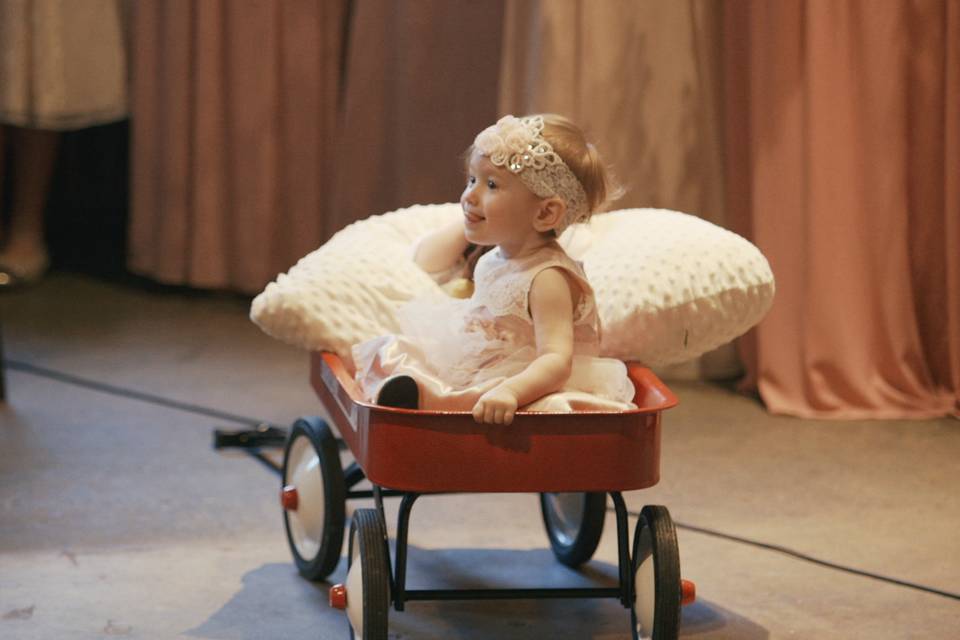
point(518, 145)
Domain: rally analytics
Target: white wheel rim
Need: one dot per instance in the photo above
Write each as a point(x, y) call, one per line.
point(645, 590)
point(306, 523)
point(355, 590)
point(565, 513)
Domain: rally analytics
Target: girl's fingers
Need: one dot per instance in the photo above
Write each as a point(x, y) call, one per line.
point(490, 412)
point(485, 413)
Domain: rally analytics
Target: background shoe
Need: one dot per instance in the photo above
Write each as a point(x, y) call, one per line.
point(400, 392)
point(18, 274)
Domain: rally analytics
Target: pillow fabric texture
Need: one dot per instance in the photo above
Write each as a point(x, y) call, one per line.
point(669, 286)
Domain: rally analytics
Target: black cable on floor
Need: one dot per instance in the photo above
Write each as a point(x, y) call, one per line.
point(808, 558)
point(26, 367)
point(130, 394)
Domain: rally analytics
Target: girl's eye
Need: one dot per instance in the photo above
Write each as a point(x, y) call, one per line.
point(491, 184)
point(471, 180)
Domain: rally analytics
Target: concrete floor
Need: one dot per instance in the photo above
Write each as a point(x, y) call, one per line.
point(118, 519)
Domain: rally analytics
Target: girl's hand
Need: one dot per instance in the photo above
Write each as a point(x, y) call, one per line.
point(496, 406)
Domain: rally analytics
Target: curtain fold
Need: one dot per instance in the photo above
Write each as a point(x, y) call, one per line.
point(234, 114)
point(842, 166)
point(641, 76)
point(251, 146)
point(421, 82)
point(644, 78)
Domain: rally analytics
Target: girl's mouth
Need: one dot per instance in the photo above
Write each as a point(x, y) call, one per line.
point(472, 218)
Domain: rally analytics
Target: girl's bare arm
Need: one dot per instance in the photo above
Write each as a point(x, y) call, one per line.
point(441, 249)
point(551, 305)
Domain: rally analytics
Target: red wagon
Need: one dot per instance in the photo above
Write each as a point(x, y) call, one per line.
point(573, 460)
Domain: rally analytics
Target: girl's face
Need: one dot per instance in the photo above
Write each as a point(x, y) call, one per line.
point(498, 209)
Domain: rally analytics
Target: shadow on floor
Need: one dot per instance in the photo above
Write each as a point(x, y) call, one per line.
point(704, 619)
point(275, 602)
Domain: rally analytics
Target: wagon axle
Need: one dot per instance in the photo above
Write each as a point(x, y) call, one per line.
point(338, 594)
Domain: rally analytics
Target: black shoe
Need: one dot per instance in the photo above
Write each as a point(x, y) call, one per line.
point(400, 392)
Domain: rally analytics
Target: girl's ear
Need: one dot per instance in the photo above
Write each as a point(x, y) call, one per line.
point(551, 214)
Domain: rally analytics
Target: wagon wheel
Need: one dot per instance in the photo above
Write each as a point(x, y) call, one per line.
point(368, 576)
point(655, 613)
point(574, 523)
point(313, 498)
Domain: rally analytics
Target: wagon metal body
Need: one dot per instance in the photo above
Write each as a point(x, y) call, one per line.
point(573, 460)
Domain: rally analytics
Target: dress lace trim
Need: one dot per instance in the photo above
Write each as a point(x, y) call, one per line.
point(504, 288)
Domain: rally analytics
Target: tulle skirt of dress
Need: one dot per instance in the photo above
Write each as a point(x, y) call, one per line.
point(455, 361)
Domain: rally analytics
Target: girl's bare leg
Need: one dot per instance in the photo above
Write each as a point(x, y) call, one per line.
point(34, 155)
point(3, 153)
point(3, 168)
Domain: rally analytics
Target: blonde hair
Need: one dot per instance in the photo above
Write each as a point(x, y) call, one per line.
point(583, 159)
point(570, 143)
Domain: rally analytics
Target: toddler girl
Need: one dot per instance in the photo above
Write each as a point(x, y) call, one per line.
point(529, 334)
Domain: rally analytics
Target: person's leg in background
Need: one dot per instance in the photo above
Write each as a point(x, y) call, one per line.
point(23, 249)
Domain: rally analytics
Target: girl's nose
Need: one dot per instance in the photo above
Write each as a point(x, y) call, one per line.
point(469, 195)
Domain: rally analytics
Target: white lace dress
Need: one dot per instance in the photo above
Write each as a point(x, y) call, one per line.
point(457, 350)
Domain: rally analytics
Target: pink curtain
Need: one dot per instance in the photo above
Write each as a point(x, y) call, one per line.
point(644, 77)
point(234, 114)
point(832, 127)
point(421, 81)
point(251, 146)
point(843, 158)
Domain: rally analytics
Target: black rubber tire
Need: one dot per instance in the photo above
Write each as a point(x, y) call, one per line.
point(575, 547)
point(334, 495)
point(369, 533)
point(656, 535)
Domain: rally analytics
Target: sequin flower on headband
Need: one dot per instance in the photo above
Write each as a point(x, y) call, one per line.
point(518, 145)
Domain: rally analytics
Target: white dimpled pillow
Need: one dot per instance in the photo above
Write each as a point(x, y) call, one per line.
point(669, 286)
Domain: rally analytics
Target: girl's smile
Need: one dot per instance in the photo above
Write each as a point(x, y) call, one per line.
point(498, 208)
